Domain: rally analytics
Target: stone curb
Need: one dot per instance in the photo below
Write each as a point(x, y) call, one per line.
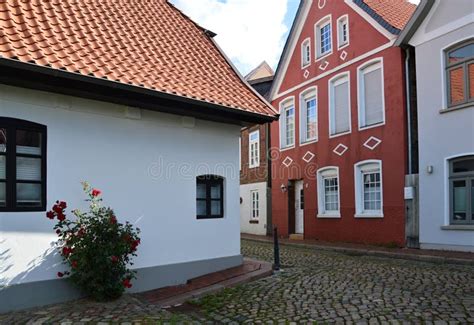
point(264, 271)
point(371, 252)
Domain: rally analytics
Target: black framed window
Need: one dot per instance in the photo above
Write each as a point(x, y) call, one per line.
point(460, 73)
point(461, 183)
point(209, 197)
point(22, 165)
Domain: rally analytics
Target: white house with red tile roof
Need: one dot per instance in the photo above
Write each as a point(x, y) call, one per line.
point(138, 100)
point(442, 35)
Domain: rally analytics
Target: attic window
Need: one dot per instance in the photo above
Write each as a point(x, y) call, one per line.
point(323, 37)
point(306, 53)
point(342, 32)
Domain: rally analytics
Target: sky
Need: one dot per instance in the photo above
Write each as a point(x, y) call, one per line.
point(248, 31)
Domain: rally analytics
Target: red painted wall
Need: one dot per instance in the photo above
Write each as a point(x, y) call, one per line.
point(392, 150)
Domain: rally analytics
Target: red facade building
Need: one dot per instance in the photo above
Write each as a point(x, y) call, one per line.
point(340, 157)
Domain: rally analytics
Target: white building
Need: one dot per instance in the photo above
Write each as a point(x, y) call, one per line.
point(141, 123)
point(442, 33)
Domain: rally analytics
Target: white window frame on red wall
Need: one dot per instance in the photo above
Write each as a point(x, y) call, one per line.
point(306, 53)
point(317, 33)
point(306, 95)
point(286, 104)
point(361, 168)
point(341, 21)
point(254, 149)
point(366, 67)
point(335, 81)
point(322, 174)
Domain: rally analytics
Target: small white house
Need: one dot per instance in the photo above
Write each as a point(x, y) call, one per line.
point(140, 110)
point(442, 33)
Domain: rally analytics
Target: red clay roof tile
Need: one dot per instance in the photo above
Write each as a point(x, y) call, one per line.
point(146, 43)
point(395, 12)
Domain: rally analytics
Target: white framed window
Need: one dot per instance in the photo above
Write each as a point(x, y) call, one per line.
point(255, 199)
point(342, 31)
point(306, 53)
point(339, 105)
point(368, 189)
point(254, 149)
point(308, 115)
point(323, 37)
point(328, 192)
point(371, 97)
point(287, 123)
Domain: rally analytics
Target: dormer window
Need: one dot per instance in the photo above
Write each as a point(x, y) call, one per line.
point(306, 52)
point(342, 32)
point(323, 37)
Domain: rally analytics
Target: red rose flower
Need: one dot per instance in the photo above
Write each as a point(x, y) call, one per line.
point(113, 220)
point(60, 274)
point(66, 251)
point(126, 283)
point(96, 192)
point(135, 244)
point(50, 215)
point(81, 232)
point(114, 259)
point(57, 208)
point(61, 216)
point(74, 264)
point(62, 205)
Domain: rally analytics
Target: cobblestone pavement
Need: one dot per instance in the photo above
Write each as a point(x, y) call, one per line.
point(313, 287)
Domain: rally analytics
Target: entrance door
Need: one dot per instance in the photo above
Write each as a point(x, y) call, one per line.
point(299, 207)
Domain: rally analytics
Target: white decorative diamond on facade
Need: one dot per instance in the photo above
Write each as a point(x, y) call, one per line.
point(340, 149)
point(321, 4)
point(308, 156)
point(343, 55)
point(287, 162)
point(372, 142)
point(306, 74)
point(323, 65)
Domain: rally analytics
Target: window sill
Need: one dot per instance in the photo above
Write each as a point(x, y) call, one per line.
point(323, 56)
point(458, 227)
point(369, 216)
point(305, 66)
point(253, 222)
point(342, 46)
point(456, 108)
point(253, 166)
point(328, 216)
point(308, 142)
point(287, 148)
point(371, 126)
point(335, 135)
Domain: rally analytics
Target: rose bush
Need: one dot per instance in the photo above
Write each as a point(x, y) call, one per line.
point(97, 248)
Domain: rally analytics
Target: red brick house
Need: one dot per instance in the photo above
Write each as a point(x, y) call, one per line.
point(342, 136)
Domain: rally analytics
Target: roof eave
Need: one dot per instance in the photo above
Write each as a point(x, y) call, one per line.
point(27, 75)
point(415, 21)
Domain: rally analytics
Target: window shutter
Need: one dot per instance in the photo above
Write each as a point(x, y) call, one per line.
point(341, 108)
point(373, 97)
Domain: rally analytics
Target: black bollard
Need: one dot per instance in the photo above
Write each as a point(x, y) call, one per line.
point(276, 250)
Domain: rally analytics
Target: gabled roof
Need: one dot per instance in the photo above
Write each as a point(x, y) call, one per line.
point(263, 70)
point(146, 44)
point(389, 14)
point(393, 15)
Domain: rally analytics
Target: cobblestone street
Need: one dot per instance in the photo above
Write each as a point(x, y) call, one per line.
point(313, 287)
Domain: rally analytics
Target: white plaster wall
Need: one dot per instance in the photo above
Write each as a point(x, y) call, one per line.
point(246, 209)
point(93, 141)
point(441, 135)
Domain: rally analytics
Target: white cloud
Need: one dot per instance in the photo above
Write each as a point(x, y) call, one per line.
point(248, 31)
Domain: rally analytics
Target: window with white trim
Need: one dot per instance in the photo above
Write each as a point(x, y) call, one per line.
point(254, 149)
point(323, 37)
point(342, 31)
point(339, 105)
point(308, 117)
point(371, 95)
point(287, 124)
point(368, 191)
point(255, 199)
point(461, 189)
point(328, 192)
point(306, 53)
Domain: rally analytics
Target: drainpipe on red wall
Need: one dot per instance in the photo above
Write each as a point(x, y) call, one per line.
point(408, 97)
